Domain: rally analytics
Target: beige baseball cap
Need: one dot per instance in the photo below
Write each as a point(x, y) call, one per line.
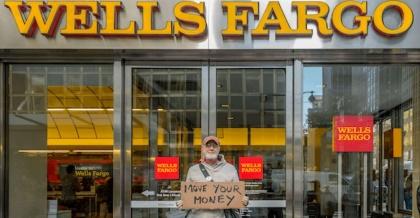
point(211, 138)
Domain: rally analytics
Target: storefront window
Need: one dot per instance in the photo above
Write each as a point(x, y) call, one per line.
point(363, 93)
point(60, 140)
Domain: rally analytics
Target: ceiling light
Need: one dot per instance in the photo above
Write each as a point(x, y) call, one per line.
point(140, 109)
point(56, 109)
point(86, 109)
point(43, 151)
point(92, 151)
point(80, 109)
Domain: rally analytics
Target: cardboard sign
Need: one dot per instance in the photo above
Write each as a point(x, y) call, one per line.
point(166, 168)
point(212, 195)
point(251, 168)
point(353, 133)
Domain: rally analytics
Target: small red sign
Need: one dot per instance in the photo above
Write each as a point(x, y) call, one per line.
point(166, 168)
point(251, 168)
point(353, 133)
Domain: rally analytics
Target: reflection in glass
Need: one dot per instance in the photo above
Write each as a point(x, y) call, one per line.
point(381, 91)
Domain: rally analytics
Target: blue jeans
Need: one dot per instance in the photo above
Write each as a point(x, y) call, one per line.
point(408, 199)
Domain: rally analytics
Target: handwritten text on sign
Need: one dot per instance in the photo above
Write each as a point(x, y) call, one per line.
point(212, 195)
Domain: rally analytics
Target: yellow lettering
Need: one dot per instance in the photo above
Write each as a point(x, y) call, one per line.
point(111, 13)
point(279, 21)
point(361, 21)
point(237, 12)
point(80, 19)
point(167, 165)
point(406, 14)
point(319, 18)
point(83, 19)
point(35, 18)
point(342, 129)
point(197, 20)
point(353, 137)
point(148, 30)
point(167, 170)
point(251, 170)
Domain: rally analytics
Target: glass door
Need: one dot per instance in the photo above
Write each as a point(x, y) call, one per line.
point(248, 115)
point(174, 107)
point(166, 124)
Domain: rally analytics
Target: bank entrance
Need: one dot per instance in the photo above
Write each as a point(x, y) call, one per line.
point(130, 131)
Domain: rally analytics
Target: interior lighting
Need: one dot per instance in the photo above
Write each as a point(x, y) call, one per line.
point(80, 109)
point(140, 109)
point(92, 151)
point(43, 151)
point(56, 109)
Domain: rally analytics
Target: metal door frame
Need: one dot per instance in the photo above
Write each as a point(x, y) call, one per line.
point(2, 140)
point(298, 155)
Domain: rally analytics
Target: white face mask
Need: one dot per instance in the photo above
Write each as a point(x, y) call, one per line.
point(211, 156)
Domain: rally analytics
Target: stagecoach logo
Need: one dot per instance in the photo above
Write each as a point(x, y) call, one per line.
point(101, 18)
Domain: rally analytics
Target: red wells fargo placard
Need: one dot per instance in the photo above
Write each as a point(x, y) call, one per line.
point(353, 133)
point(251, 168)
point(166, 168)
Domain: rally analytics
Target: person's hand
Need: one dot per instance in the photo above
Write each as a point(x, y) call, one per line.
point(245, 201)
point(179, 204)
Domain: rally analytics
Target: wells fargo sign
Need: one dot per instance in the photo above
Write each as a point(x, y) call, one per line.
point(353, 133)
point(101, 18)
point(251, 168)
point(166, 168)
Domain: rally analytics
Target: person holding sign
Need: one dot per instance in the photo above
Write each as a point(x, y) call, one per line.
point(212, 168)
